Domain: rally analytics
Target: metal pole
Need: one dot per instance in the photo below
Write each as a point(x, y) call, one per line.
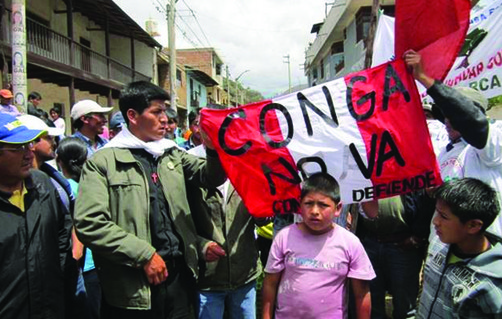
point(228, 88)
point(19, 63)
point(371, 34)
point(171, 9)
point(237, 87)
point(236, 93)
point(289, 70)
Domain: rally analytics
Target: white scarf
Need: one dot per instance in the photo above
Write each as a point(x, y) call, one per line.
point(125, 139)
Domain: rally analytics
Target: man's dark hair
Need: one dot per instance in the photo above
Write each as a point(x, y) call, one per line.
point(138, 95)
point(34, 96)
point(192, 116)
point(77, 124)
point(470, 198)
point(321, 183)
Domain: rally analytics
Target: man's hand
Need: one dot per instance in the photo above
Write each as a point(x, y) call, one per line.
point(413, 61)
point(205, 139)
point(214, 252)
point(156, 270)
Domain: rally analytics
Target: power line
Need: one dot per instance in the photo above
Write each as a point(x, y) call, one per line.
point(161, 8)
point(193, 32)
point(197, 20)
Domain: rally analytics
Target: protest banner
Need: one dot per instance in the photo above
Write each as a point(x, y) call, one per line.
point(383, 46)
point(479, 63)
point(435, 29)
point(367, 130)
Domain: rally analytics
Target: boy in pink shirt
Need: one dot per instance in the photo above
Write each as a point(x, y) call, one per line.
point(309, 262)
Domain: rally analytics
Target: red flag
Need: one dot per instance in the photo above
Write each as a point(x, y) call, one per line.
point(435, 29)
point(363, 129)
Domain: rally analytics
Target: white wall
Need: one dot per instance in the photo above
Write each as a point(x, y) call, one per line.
point(144, 58)
point(120, 49)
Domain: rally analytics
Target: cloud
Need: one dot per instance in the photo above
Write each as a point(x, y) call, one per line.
point(248, 35)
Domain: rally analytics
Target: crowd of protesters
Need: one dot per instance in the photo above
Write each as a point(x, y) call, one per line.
point(137, 220)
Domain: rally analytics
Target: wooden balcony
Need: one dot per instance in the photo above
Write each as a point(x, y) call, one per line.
point(56, 52)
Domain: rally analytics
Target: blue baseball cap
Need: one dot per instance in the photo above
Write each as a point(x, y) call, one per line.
point(12, 131)
point(117, 120)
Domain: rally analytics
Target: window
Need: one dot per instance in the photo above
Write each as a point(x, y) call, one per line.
point(218, 69)
point(389, 10)
point(322, 68)
point(363, 19)
point(337, 57)
point(337, 47)
point(314, 73)
point(178, 77)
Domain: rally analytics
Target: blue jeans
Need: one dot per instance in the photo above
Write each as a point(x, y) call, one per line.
point(397, 271)
point(239, 303)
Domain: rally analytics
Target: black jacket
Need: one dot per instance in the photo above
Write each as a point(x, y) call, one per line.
point(34, 249)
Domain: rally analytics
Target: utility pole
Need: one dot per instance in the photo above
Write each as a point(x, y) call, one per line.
point(228, 87)
point(371, 33)
point(236, 93)
point(19, 63)
point(237, 87)
point(289, 70)
point(171, 9)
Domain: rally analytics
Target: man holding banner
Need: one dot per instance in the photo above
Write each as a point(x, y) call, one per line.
point(475, 148)
point(132, 211)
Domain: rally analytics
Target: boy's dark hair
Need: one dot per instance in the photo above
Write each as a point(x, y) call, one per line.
point(34, 96)
point(138, 95)
point(470, 198)
point(321, 183)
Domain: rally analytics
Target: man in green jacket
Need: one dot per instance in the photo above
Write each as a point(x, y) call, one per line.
point(229, 264)
point(132, 211)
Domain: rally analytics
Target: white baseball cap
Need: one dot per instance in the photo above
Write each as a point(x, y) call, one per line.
point(85, 107)
point(35, 123)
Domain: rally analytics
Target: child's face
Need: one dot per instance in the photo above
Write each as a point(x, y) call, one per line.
point(448, 226)
point(318, 211)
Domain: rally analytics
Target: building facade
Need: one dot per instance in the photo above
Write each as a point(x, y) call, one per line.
point(340, 44)
point(80, 49)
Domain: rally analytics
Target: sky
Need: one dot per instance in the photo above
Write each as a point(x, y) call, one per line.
point(252, 35)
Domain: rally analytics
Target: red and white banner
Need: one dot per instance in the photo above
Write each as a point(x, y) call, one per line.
point(367, 130)
point(479, 62)
point(435, 29)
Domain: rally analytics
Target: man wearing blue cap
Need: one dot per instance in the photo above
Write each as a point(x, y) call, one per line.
point(116, 123)
point(34, 231)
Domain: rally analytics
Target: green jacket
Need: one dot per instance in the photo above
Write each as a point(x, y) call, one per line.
point(112, 216)
point(232, 227)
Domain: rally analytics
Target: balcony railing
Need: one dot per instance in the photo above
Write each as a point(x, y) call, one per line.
point(52, 45)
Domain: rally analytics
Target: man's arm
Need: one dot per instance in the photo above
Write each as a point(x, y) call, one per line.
point(463, 114)
point(270, 285)
point(203, 172)
point(64, 234)
point(362, 297)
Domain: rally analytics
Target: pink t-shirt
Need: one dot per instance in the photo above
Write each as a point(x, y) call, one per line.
point(315, 271)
